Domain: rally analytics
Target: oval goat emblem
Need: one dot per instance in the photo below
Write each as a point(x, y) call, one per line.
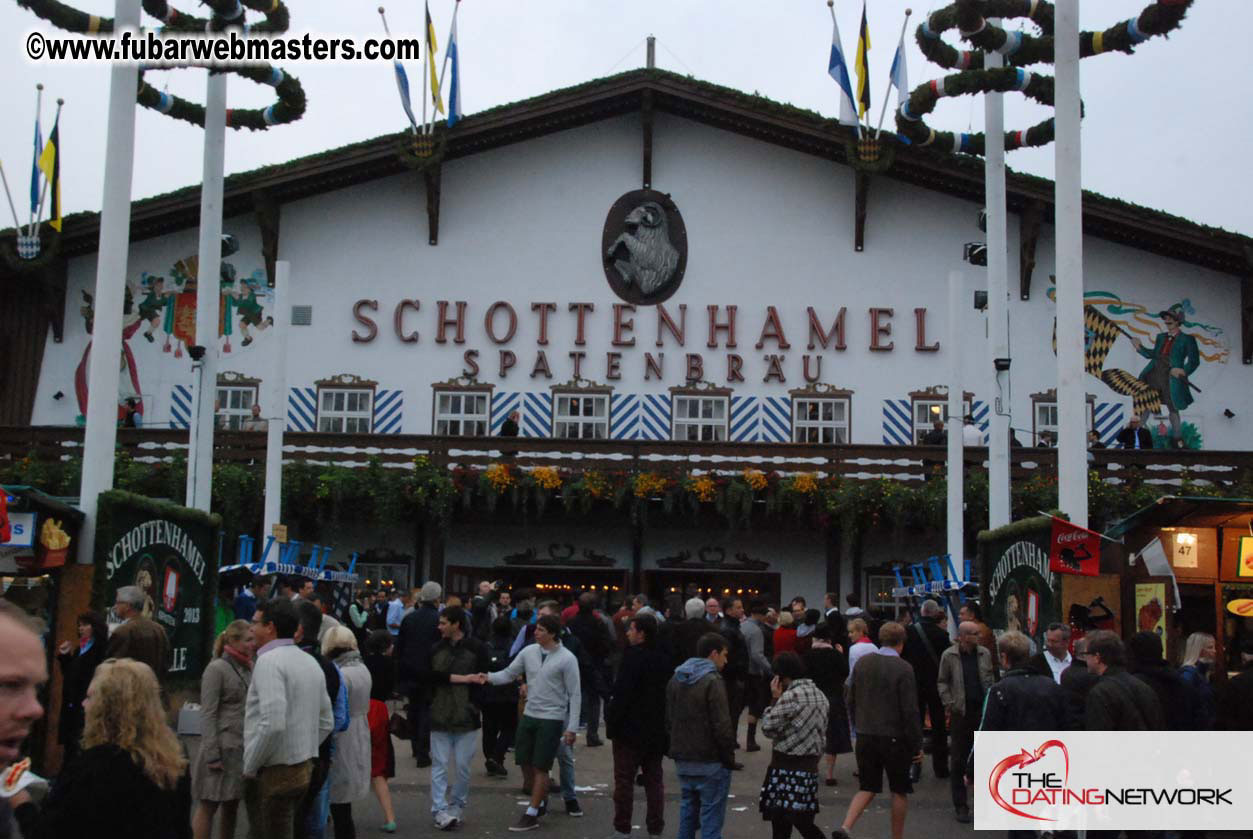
point(644, 247)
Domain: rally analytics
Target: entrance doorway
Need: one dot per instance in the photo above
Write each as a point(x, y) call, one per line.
point(659, 585)
point(540, 582)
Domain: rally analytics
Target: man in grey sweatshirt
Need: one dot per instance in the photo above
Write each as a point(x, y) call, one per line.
point(551, 712)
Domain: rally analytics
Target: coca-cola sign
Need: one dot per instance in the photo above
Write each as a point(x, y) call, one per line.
point(1074, 550)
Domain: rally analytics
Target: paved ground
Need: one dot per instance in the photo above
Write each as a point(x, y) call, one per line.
point(496, 803)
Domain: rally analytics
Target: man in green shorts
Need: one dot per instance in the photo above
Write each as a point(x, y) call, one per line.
point(551, 712)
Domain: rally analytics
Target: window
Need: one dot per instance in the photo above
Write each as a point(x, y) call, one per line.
point(462, 413)
point(879, 594)
point(344, 411)
point(932, 404)
point(702, 418)
point(581, 416)
point(820, 420)
point(1044, 413)
point(234, 405)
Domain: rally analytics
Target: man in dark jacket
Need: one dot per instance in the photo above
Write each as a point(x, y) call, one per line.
point(1024, 700)
point(1235, 702)
point(634, 721)
point(1077, 681)
point(735, 674)
point(140, 638)
point(454, 720)
point(702, 741)
point(594, 674)
point(687, 633)
point(1118, 701)
point(889, 731)
point(1145, 662)
point(925, 641)
point(419, 633)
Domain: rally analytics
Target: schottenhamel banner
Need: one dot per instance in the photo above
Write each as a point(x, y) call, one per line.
point(1074, 549)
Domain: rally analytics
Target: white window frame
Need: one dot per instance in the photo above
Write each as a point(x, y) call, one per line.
point(231, 417)
point(462, 413)
point(710, 426)
point(580, 416)
point(924, 425)
point(807, 430)
point(344, 420)
point(886, 582)
point(1051, 404)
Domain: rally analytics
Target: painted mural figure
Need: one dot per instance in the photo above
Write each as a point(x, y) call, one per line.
point(1173, 357)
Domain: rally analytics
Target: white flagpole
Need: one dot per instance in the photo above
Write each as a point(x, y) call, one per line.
point(900, 45)
point(44, 192)
point(39, 104)
point(16, 224)
point(425, 71)
point(835, 25)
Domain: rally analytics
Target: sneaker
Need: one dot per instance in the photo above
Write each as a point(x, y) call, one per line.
point(422, 762)
point(573, 809)
point(444, 821)
point(963, 815)
point(840, 833)
point(496, 769)
point(594, 740)
point(525, 822)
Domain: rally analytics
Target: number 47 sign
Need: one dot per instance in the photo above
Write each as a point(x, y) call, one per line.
point(1185, 550)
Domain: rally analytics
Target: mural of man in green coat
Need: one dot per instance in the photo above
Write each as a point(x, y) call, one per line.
point(1173, 358)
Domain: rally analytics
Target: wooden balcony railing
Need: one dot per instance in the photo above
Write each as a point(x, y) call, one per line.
point(858, 462)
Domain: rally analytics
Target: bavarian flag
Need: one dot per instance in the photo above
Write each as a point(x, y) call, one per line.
point(431, 48)
point(863, 65)
point(1099, 334)
point(50, 165)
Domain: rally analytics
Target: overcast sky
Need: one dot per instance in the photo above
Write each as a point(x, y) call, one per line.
point(1168, 128)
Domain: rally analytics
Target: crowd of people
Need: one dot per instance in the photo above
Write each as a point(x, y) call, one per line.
point(299, 707)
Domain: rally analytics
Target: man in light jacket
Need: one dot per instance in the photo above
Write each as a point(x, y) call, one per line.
point(759, 671)
point(965, 676)
point(287, 715)
point(551, 714)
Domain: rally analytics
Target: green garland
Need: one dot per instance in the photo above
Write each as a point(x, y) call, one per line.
point(49, 252)
point(969, 17)
point(290, 104)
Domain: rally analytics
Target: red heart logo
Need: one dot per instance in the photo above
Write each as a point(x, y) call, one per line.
point(1024, 758)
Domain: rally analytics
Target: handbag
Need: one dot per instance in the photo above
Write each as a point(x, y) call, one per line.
point(398, 726)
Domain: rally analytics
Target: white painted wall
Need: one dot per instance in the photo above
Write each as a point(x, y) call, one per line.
point(766, 226)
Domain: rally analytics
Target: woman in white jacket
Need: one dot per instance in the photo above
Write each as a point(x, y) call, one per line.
point(350, 766)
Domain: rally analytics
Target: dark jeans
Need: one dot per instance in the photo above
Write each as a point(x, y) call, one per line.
point(419, 713)
point(500, 720)
point(627, 760)
point(963, 733)
point(781, 826)
point(341, 814)
point(929, 702)
point(595, 687)
point(735, 702)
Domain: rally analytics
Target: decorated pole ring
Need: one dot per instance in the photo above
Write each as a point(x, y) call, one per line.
point(1020, 49)
point(290, 104)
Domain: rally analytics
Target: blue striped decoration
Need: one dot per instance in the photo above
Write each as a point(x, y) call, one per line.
point(744, 419)
point(1107, 417)
point(302, 409)
point(180, 406)
point(388, 411)
point(776, 419)
point(537, 415)
point(624, 416)
point(898, 423)
point(982, 415)
point(504, 404)
point(654, 417)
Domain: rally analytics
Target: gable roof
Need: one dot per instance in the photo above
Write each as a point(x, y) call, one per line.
point(749, 115)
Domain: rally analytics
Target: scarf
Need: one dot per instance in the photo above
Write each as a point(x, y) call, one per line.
point(244, 660)
point(85, 645)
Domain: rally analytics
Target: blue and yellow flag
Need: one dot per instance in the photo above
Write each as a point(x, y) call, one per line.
point(50, 165)
point(863, 66)
point(431, 48)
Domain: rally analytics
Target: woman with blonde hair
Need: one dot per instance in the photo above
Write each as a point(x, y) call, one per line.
point(131, 777)
point(350, 766)
point(217, 777)
point(1197, 673)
